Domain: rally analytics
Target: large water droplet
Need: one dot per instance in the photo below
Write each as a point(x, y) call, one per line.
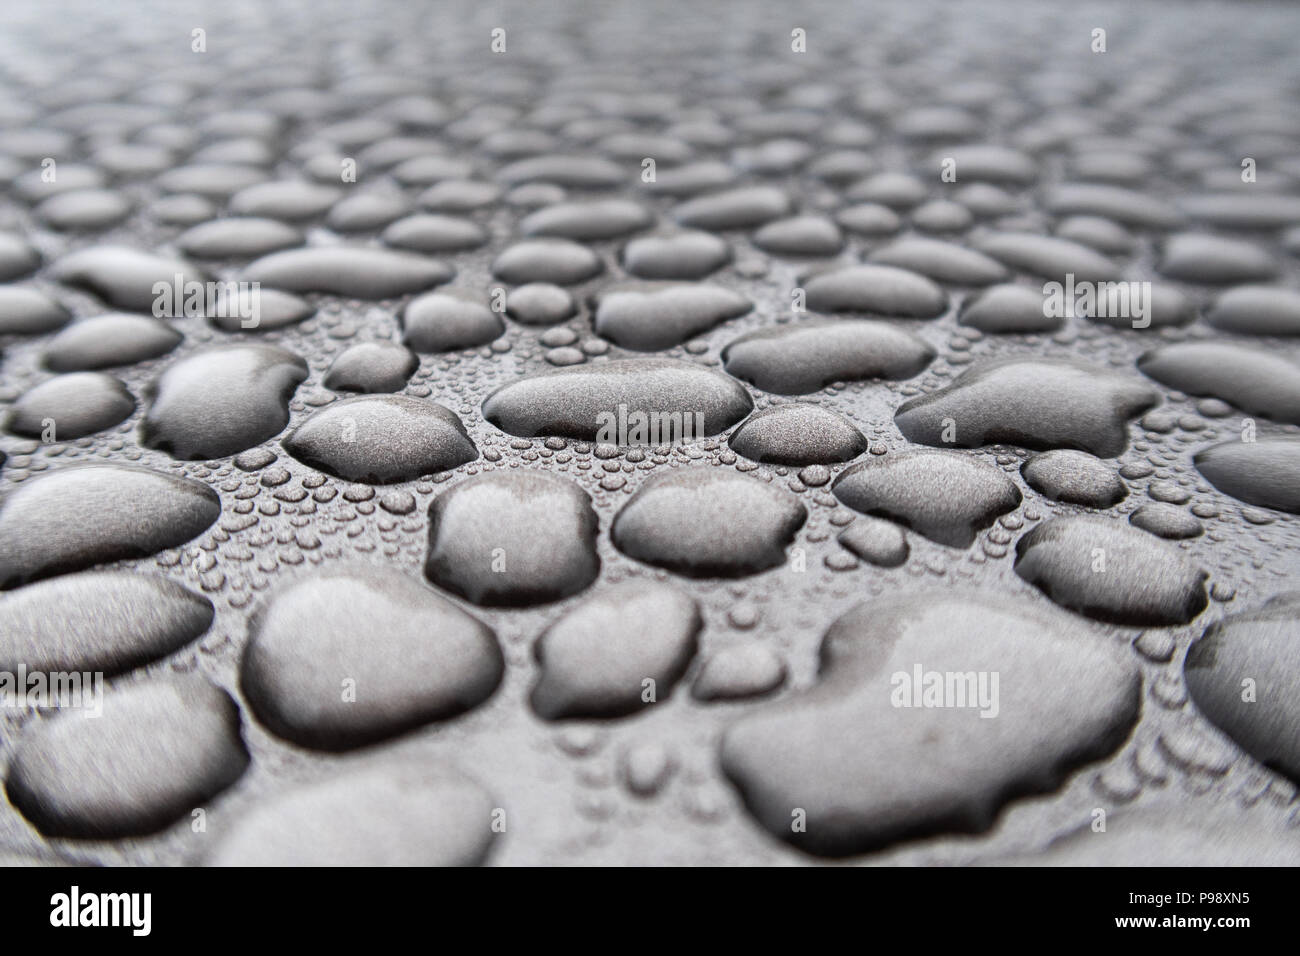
point(158, 750)
point(708, 523)
point(513, 538)
point(595, 660)
point(581, 401)
point(804, 358)
point(1062, 698)
point(382, 439)
point(407, 656)
point(76, 517)
point(945, 496)
point(1039, 403)
point(1111, 571)
point(220, 401)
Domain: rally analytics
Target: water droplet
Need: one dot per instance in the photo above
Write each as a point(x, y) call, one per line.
point(708, 523)
point(803, 358)
point(389, 812)
point(1039, 403)
point(354, 272)
point(220, 401)
point(1261, 646)
point(596, 658)
point(1256, 381)
point(108, 340)
point(158, 749)
point(1111, 571)
point(382, 439)
point(579, 402)
point(110, 621)
point(808, 753)
point(1264, 473)
point(869, 288)
point(371, 367)
point(407, 656)
point(798, 434)
point(512, 538)
point(79, 404)
point(648, 318)
point(76, 517)
point(738, 672)
point(945, 496)
point(1074, 477)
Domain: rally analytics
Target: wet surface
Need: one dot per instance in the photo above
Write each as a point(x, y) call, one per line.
point(627, 410)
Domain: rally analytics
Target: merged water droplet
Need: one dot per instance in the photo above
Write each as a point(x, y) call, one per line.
point(646, 318)
point(220, 401)
point(810, 775)
point(1038, 403)
point(125, 277)
point(946, 496)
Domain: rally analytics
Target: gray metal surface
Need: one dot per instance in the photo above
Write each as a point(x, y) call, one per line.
point(364, 548)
